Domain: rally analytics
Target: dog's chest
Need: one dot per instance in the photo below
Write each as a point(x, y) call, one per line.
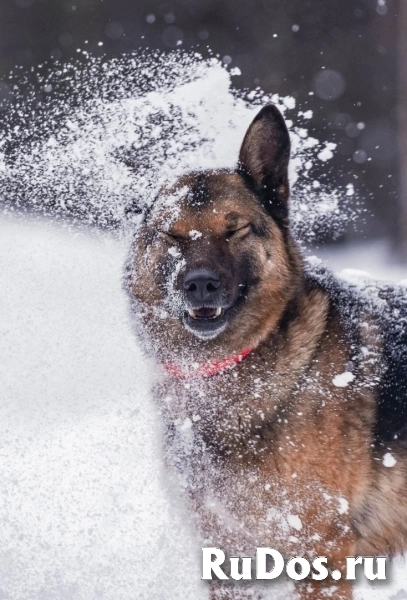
point(228, 423)
point(240, 414)
point(226, 413)
point(245, 490)
point(245, 450)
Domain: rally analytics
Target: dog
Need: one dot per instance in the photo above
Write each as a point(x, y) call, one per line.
point(284, 390)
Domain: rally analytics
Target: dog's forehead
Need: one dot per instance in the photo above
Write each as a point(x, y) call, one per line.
point(212, 200)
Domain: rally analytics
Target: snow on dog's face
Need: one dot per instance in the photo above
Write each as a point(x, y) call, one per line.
point(213, 261)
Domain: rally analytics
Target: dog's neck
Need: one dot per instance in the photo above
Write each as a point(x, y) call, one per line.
point(207, 369)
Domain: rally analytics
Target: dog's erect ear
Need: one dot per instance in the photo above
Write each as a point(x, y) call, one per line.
point(264, 157)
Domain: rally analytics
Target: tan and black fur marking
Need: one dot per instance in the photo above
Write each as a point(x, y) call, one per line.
point(285, 450)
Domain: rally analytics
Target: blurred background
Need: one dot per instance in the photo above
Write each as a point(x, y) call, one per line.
point(346, 60)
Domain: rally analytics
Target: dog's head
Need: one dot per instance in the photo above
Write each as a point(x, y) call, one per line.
point(213, 261)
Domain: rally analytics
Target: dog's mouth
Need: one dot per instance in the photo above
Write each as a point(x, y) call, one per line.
point(206, 322)
point(205, 313)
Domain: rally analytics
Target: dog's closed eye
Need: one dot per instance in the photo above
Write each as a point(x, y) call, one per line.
point(169, 237)
point(240, 232)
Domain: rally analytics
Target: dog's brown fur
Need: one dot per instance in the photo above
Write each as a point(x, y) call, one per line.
point(274, 436)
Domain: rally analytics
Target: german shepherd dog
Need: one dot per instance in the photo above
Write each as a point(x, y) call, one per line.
point(284, 391)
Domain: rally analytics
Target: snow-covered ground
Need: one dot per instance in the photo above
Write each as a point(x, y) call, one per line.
point(372, 258)
point(86, 512)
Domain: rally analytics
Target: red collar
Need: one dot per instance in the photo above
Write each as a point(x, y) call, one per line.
point(207, 369)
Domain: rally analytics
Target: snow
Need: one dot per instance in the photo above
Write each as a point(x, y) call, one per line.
point(343, 506)
point(174, 252)
point(295, 522)
point(371, 259)
point(343, 379)
point(194, 234)
point(86, 510)
point(389, 460)
point(133, 124)
point(327, 152)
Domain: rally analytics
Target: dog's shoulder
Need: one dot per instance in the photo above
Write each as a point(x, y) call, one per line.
point(383, 307)
point(346, 305)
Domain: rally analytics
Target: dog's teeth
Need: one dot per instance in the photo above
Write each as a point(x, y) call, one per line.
point(197, 313)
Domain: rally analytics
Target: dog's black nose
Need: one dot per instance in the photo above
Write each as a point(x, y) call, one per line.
point(201, 285)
